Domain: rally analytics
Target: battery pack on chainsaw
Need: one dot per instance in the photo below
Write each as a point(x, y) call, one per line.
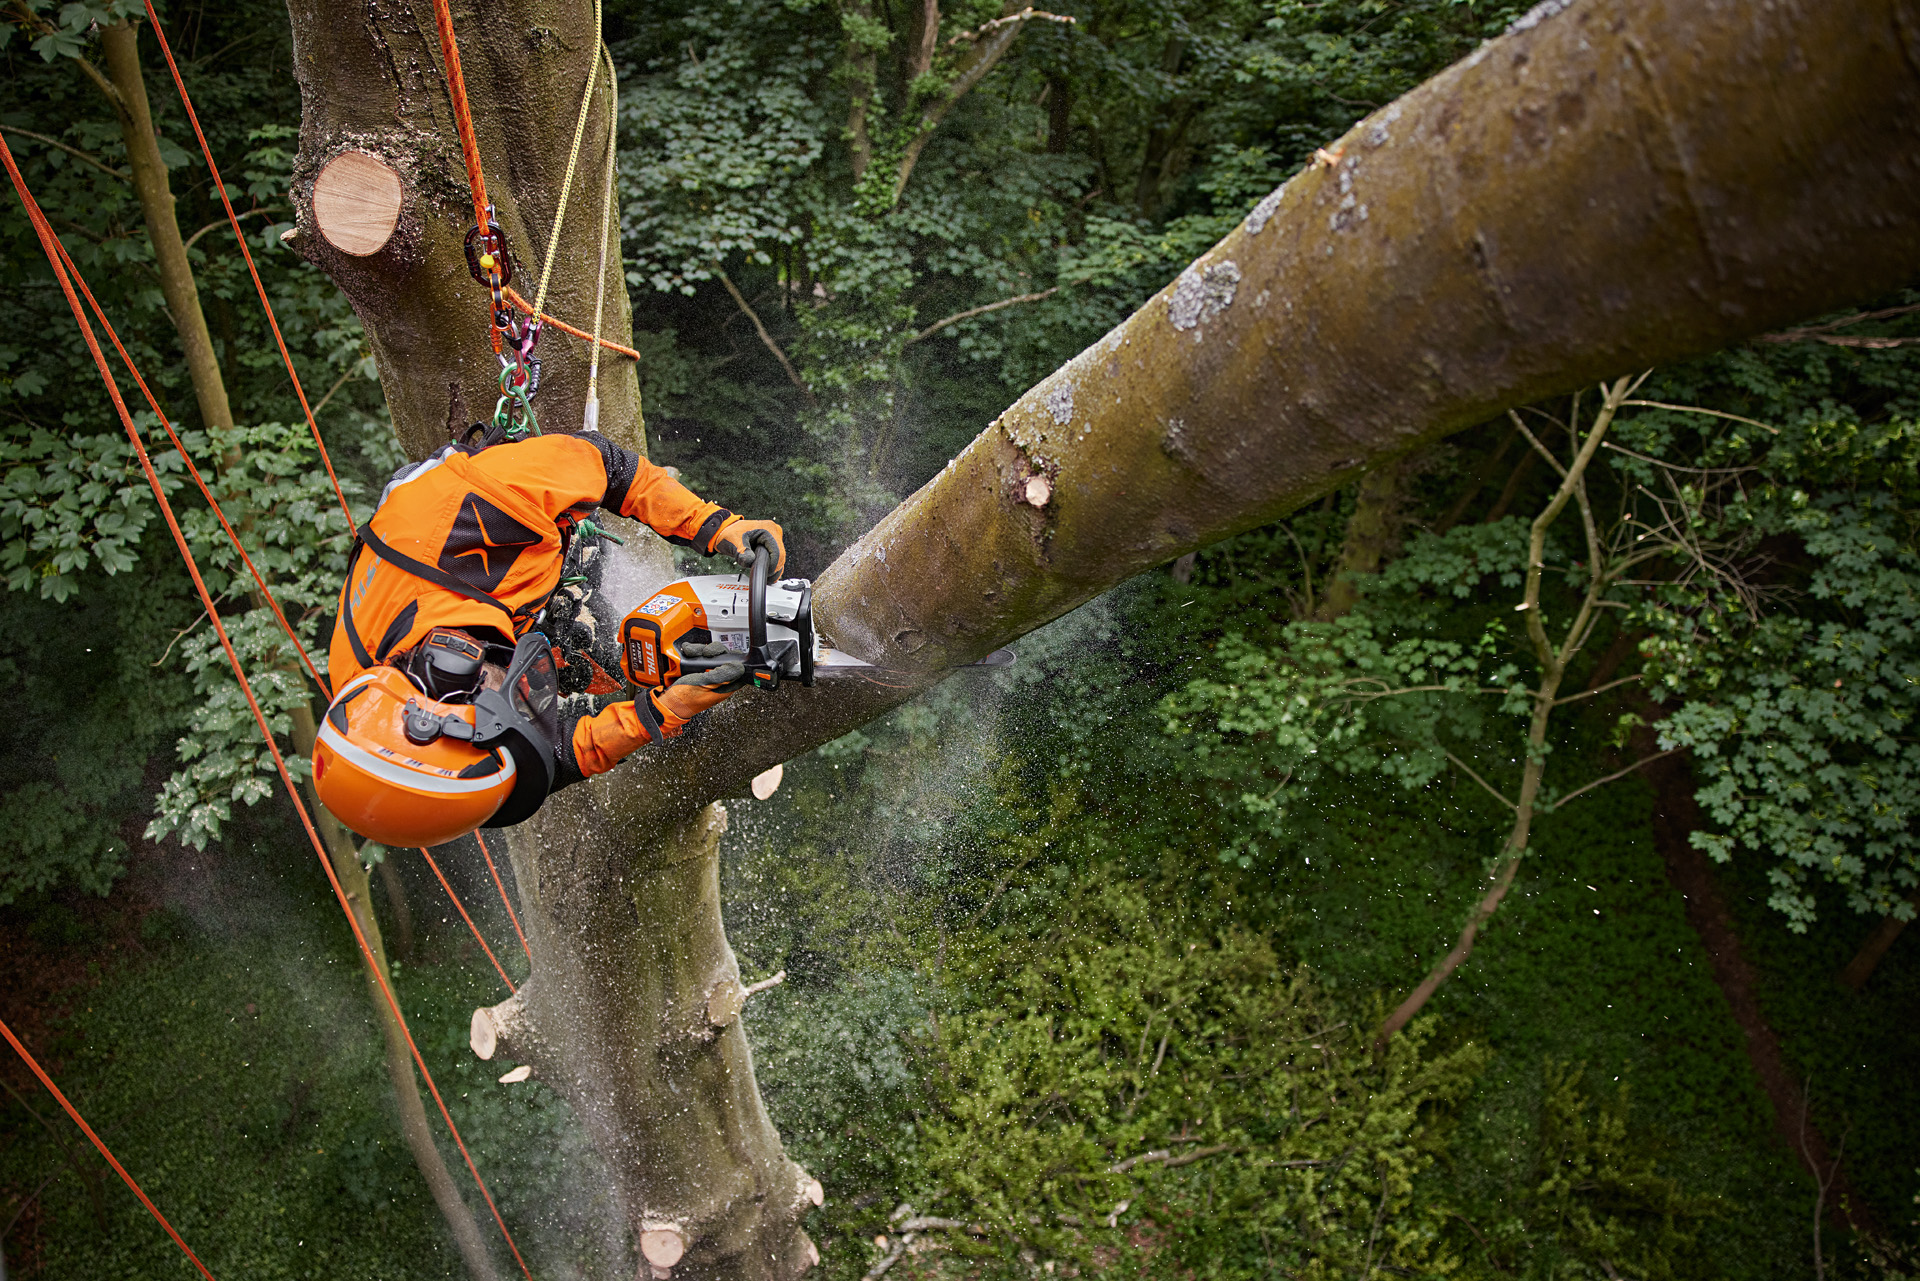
point(768, 627)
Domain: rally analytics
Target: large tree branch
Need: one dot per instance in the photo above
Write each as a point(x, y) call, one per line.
point(1293, 353)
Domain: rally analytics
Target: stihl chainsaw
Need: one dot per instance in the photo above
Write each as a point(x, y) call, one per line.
point(768, 627)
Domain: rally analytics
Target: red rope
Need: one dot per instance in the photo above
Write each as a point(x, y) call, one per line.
point(468, 919)
point(462, 116)
point(81, 1121)
point(48, 243)
point(261, 582)
point(241, 236)
point(504, 900)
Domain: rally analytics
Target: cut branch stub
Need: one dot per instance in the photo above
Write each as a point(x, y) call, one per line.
point(765, 784)
point(662, 1244)
point(505, 1027)
point(356, 203)
point(725, 1001)
point(482, 1035)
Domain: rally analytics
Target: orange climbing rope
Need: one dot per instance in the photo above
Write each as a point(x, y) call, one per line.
point(259, 580)
point(462, 909)
point(513, 296)
point(462, 117)
point(221, 187)
point(81, 1121)
point(55, 257)
point(504, 901)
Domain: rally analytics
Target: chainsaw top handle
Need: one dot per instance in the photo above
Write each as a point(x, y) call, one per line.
point(757, 604)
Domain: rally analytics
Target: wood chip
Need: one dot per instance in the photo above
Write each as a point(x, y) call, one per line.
point(767, 783)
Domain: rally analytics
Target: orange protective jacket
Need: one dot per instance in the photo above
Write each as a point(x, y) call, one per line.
point(476, 540)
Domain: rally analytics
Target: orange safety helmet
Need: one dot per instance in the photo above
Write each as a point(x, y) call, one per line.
point(426, 787)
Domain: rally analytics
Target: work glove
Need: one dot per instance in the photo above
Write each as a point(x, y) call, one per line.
point(602, 741)
point(695, 692)
point(740, 537)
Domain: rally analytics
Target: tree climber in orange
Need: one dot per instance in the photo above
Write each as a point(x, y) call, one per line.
point(447, 713)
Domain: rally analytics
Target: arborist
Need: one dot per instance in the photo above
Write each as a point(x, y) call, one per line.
point(448, 713)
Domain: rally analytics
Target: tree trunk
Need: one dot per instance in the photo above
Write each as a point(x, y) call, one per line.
point(182, 292)
point(1867, 959)
point(121, 44)
point(1369, 530)
point(1698, 171)
point(397, 904)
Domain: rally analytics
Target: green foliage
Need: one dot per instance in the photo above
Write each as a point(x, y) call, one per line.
point(78, 529)
point(272, 487)
point(68, 502)
point(1597, 1205)
point(1122, 1077)
point(1799, 700)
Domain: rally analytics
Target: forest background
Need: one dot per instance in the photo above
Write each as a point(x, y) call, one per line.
point(1083, 958)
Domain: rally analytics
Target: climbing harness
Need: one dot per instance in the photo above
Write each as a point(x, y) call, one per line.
point(491, 262)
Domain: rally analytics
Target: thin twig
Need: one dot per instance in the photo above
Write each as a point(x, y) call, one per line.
point(1165, 1156)
point(215, 226)
point(1821, 333)
point(1366, 1272)
point(1023, 16)
point(83, 157)
point(338, 383)
point(1598, 689)
point(1695, 409)
point(761, 329)
point(1491, 791)
point(971, 312)
point(1617, 774)
point(1538, 448)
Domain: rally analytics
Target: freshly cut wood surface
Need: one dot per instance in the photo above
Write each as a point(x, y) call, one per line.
point(356, 201)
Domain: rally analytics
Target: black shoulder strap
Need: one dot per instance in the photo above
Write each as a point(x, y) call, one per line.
point(431, 573)
point(346, 610)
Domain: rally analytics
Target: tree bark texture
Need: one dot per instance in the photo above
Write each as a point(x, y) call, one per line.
point(1620, 185)
point(1612, 186)
point(371, 80)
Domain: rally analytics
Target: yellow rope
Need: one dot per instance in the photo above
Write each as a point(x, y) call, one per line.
point(573, 163)
point(606, 214)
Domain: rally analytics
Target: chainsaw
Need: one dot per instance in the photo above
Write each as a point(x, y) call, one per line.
point(767, 627)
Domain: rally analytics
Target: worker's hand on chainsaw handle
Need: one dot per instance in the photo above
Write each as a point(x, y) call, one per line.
point(740, 537)
point(695, 692)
